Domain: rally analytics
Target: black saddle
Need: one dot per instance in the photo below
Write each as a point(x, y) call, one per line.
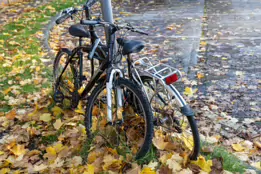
point(78, 30)
point(130, 46)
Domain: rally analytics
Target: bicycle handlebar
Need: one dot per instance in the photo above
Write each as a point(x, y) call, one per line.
point(61, 19)
point(117, 27)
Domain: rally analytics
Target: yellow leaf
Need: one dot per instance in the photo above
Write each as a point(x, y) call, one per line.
point(18, 150)
point(200, 75)
point(79, 108)
point(147, 170)
point(58, 147)
point(14, 43)
point(224, 58)
point(81, 90)
point(159, 143)
point(58, 123)
point(4, 170)
point(46, 117)
point(90, 169)
point(189, 91)
point(257, 165)
point(170, 28)
point(2, 152)
point(51, 151)
point(36, 108)
point(110, 163)
point(237, 147)
point(257, 144)
point(203, 164)
point(57, 111)
point(188, 140)
point(5, 92)
point(38, 68)
point(203, 43)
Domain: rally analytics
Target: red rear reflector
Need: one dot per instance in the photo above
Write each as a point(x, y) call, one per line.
point(171, 79)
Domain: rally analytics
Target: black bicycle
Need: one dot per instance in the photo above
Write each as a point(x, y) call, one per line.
point(117, 114)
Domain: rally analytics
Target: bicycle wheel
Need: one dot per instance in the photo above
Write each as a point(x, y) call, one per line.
point(168, 117)
point(131, 130)
point(65, 88)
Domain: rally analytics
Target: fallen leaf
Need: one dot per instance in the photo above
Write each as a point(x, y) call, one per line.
point(58, 123)
point(203, 164)
point(147, 170)
point(46, 117)
point(57, 111)
point(159, 143)
point(18, 150)
point(189, 91)
point(79, 108)
point(38, 168)
point(4, 170)
point(90, 169)
point(238, 147)
point(11, 115)
point(257, 165)
point(257, 144)
point(200, 75)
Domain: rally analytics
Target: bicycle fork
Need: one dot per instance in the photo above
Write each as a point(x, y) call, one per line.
point(109, 88)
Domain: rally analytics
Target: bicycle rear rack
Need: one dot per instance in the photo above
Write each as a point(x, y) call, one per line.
point(159, 71)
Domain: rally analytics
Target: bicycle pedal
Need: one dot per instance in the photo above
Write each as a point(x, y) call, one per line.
point(58, 96)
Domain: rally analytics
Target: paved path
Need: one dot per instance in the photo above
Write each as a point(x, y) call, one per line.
point(233, 35)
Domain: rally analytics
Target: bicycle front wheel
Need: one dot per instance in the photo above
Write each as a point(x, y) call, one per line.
point(131, 131)
point(168, 118)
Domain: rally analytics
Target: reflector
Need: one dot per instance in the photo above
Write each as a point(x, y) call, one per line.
point(171, 79)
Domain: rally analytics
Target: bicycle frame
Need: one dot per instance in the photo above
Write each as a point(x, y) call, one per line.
point(106, 65)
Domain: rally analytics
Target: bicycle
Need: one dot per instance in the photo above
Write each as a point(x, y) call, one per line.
point(116, 106)
point(157, 80)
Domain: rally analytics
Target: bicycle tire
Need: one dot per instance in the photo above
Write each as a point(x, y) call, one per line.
point(123, 83)
point(192, 123)
point(68, 92)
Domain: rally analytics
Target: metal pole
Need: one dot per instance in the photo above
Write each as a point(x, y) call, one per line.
point(107, 14)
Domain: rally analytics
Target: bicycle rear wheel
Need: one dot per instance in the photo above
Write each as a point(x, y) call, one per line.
point(65, 88)
point(131, 130)
point(168, 117)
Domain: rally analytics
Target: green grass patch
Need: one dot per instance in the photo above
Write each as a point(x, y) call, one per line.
point(21, 32)
point(150, 156)
point(230, 162)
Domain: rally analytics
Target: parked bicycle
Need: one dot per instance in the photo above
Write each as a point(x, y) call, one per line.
point(118, 111)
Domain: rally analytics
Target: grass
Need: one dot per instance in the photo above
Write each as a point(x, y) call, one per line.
point(150, 156)
point(230, 162)
point(22, 32)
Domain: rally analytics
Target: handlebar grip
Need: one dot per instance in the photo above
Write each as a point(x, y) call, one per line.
point(141, 32)
point(62, 18)
point(89, 22)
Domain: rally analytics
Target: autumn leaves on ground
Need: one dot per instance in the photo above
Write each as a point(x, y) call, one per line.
point(38, 136)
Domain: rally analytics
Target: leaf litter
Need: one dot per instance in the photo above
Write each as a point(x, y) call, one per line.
point(50, 140)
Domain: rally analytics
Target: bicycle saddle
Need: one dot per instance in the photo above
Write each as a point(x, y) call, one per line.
point(78, 30)
point(130, 46)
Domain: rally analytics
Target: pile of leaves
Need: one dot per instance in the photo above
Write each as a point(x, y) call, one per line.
point(38, 136)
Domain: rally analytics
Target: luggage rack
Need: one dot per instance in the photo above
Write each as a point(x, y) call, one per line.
point(159, 71)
